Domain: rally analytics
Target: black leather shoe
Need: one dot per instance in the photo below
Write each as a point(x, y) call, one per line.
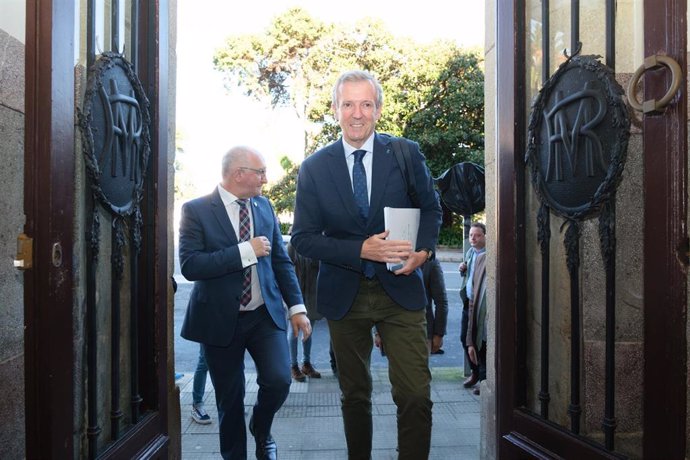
point(266, 449)
point(471, 380)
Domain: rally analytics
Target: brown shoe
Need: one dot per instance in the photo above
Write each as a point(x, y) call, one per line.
point(471, 380)
point(297, 374)
point(309, 371)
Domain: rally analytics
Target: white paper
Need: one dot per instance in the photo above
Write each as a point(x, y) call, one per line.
point(403, 224)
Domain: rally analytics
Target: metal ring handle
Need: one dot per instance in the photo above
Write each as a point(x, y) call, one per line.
point(653, 62)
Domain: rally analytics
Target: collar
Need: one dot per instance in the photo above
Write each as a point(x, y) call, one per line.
point(368, 146)
point(226, 197)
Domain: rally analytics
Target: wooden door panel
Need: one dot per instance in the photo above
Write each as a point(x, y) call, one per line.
point(610, 341)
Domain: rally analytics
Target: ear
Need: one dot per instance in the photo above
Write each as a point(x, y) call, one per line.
point(335, 112)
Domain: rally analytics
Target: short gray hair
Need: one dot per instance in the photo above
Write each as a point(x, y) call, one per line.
point(358, 75)
point(234, 155)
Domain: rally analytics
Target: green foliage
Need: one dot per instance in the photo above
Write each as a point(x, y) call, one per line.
point(433, 93)
point(451, 235)
point(282, 193)
point(449, 124)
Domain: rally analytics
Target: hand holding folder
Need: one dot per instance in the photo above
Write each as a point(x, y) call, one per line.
point(403, 224)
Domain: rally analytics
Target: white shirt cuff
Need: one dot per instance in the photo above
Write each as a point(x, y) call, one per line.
point(247, 254)
point(295, 309)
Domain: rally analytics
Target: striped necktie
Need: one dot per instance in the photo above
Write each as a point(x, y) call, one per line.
point(245, 234)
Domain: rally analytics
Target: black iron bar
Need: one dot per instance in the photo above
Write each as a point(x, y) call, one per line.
point(115, 412)
point(134, 316)
point(92, 238)
point(574, 27)
point(90, 33)
point(115, 26)
point(611, 34)
point(544, 233)
point(607, 230)
point(572, 244)
point(134, 41)
point(545, 41)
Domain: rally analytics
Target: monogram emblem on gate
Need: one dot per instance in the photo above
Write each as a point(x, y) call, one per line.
point(123, 126)
point(578, 138)
point(571, 141)
point(115, 126)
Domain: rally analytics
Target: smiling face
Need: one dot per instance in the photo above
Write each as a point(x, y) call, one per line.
point(356, 111)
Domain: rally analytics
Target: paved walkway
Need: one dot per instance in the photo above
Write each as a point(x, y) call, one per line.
point(309, 425)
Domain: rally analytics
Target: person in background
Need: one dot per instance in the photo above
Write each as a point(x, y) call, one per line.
point(477, 239)
point(341, 192)
point(232, 249)
point(476, 328)
point(199, 414)
point(306, 270)
point(436, 305)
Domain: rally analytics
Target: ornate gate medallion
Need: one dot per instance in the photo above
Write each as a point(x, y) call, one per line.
point(115, 129)
point(578, 138)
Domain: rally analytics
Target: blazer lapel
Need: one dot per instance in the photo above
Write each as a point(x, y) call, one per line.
point(218, 210)
point(258, 218)
point(381, 168)
point(341, 179)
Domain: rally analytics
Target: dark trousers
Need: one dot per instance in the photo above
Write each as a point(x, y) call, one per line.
point(464, 321)
point(404, 334)
point(257, 333)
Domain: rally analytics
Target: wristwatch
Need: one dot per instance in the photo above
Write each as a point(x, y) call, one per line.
point(429, 253)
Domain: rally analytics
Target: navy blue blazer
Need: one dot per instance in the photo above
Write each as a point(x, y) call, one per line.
point(328, 227)
point(209, 256)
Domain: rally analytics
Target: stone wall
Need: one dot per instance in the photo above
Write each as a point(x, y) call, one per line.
point(488, 448)
point(11, 224)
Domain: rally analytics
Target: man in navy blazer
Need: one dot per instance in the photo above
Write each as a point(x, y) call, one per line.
point(355, 290)
point(232, 248)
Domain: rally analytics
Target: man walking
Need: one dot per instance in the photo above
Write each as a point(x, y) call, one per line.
point(341, 192)
point(232, 248)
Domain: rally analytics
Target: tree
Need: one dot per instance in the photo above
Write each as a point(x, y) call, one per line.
point(449, 124)
point(282, 193)
point(433, 92)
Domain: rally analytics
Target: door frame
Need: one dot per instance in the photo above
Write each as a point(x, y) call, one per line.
point(520, 432)
point(49, 209)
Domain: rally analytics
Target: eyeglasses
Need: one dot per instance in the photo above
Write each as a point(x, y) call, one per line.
point(259, 172)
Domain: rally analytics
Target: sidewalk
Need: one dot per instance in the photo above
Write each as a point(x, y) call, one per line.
point(309, 425)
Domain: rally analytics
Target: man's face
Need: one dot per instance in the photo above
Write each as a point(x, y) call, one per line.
point(477, 238)
point(249, 176)
point(356, 111)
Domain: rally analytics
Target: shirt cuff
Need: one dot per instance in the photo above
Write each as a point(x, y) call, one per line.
point(247, 254)
point(295, 309)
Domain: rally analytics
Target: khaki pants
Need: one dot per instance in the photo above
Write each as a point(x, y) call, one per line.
point(404, 336)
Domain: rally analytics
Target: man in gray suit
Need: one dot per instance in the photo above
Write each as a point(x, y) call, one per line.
point(232, 248)
point(341, 193)
point(477, 240)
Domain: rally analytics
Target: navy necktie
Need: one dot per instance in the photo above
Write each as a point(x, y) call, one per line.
point(245, 234)
point(360, 191)
point(359, 184)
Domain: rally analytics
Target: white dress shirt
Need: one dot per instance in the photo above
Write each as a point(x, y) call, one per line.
point(247, 252)
point(367, 159)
